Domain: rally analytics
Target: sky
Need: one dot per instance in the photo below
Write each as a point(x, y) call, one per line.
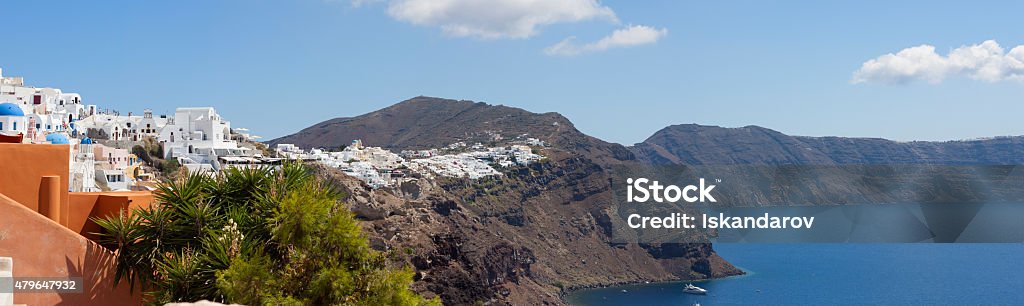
point(620, 70)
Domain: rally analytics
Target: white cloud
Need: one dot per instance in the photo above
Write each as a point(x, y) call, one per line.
point(497, 18)
point(625, 37)
point(360, 3)
point(985, 61)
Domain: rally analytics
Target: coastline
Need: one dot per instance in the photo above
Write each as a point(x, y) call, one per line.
point(573, 289)
point(816, 274)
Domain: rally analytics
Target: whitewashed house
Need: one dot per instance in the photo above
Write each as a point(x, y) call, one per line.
point(12, 119)
point(50, 109)
point(197, 136)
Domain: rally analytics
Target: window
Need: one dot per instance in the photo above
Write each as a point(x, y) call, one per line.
point(39, 126)
point(1, 126)
point(37, 99)
point(15, 126)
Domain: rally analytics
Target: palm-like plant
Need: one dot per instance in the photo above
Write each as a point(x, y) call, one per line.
point(251, 235)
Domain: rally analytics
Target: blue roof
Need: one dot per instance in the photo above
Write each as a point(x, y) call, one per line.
point(57, 139)
point(87, 140)
point(10, 109)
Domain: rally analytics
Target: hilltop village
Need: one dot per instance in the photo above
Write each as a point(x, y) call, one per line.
point(110, 150)
point(379, 167)
point(105, 145)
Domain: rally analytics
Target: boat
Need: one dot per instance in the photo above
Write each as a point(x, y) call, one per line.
point(11, 138)
point(691, 289)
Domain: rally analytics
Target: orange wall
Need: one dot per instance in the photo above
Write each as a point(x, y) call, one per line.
point(22, 167)
point(85, 205)
point(43, 248)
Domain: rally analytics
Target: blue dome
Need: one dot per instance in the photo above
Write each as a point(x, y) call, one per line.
point(87, 140)
point(57, 139)
point(10, 109)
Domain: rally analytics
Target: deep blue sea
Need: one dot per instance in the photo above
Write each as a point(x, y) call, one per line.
point(827, 274)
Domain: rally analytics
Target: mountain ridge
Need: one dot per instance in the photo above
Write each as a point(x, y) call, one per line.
point(712, 145)
point(427, 122)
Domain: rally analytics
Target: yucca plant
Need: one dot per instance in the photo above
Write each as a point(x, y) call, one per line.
point(253, 236)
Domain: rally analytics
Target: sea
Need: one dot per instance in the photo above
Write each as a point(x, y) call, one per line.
point(844, 274)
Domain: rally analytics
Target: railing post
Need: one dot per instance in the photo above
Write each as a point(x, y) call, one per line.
point(6, 281)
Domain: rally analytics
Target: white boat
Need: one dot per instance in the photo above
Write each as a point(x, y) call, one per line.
point(691, 289)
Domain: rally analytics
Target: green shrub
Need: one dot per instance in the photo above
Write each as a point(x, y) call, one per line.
point(253, 236)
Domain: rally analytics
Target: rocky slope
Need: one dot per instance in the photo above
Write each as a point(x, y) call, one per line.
point(767, 168)
point(523, 238)
point(537, 231)
point(692, 144)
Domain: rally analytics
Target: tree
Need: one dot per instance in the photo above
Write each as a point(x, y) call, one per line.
point(141, 152)
point(255, 236)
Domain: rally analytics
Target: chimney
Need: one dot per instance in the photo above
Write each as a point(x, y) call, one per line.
point(50, 198)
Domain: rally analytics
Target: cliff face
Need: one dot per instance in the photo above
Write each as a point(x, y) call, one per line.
point(711, 145)
point(525, 237)
point(519, 239)
point(522, 238)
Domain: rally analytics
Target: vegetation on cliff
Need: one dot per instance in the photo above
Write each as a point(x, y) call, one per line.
point(253, 236)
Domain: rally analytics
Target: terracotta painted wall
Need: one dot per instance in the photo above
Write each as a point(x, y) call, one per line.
point(43, 248)
point(22, 167)
point(21, 179)
point(85, 205)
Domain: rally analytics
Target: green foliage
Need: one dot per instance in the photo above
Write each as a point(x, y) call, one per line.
point(141, 152)
point(254, 236)
point(169, 168)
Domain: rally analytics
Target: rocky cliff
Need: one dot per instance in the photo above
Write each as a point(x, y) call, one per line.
point(523, 238)
point(536, 231)
point(692, 144)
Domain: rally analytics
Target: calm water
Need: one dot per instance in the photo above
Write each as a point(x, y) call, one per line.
point(822, 274)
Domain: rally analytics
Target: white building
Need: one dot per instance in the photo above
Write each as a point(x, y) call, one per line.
point(12, 119)
point(118, 127)
point(82, 177)
point(197, 136)
point(115, 179)
point(50, 109)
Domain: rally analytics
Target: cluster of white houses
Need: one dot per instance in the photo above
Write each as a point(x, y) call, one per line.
point(200, 140)
point(197, 137)
point(379, 167)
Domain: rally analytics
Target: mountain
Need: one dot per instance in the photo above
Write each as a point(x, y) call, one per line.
point(692, 144)
point(523, 238)
point(535, 232)
point(427, 122)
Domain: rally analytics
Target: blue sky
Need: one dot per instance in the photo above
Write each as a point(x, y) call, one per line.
point(279, 66)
